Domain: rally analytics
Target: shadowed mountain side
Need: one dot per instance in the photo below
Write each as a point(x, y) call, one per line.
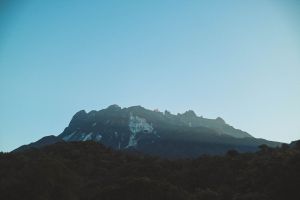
point(156, 133)
point(47, 140)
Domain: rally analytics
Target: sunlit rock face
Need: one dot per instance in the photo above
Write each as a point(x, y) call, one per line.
point(137, 125)
point(113, 126)
point(108, 131)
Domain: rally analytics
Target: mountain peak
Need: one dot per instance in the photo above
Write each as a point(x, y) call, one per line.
point(137, 109)
point(189, 113)
point(80, 114)
point(78, 117)
point(114, 107)
point(220, 120)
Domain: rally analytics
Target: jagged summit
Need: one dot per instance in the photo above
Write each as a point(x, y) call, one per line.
point(220, 120)
point(189, 113)
point(114, 107)
point(123, 127)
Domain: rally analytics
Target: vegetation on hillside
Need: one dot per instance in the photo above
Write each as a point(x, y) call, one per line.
point(90, 171)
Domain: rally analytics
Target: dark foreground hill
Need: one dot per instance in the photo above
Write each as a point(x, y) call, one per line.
point(90, 171)
point(156, 133)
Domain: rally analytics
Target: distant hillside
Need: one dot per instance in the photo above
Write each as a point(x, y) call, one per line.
point(45, 141)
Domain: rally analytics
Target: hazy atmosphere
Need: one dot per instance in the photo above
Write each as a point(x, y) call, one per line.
point(239, 60)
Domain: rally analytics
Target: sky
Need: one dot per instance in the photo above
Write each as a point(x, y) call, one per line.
point(239, 60)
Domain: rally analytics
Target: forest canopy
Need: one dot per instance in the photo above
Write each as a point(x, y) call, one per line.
point(90, 171)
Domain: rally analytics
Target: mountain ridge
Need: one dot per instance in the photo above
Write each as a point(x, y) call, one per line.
point(158, 133)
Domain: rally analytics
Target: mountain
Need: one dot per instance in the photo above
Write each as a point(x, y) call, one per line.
point(158, 133)
point(45, 141)
point(295, 143)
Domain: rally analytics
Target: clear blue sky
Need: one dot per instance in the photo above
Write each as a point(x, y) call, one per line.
point(239, 60)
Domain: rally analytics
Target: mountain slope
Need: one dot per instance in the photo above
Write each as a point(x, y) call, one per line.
point(45, 141)
point(157, 133)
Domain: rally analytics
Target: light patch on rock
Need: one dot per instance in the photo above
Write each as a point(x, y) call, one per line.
point(132, 141)
point(98, 137)
point(68, 137)
point(82, 135)
point(88, 136)
point(136, 125)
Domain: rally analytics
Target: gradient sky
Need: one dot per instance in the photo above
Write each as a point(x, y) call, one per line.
point(239, 60)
